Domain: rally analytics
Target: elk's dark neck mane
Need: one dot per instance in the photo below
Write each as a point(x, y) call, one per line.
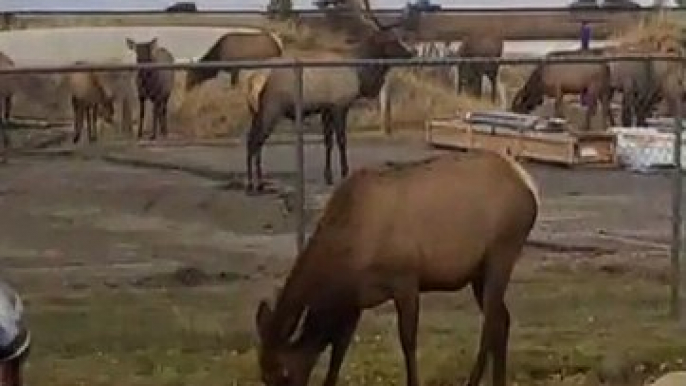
point(294, 298)
point(305, 279)
point(371, 77)
point(534, 87)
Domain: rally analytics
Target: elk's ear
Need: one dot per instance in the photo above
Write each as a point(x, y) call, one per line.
point(130, 43)
point(153, 43)
point(263, 318)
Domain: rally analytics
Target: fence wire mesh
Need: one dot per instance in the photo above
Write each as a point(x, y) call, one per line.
point(610, 236)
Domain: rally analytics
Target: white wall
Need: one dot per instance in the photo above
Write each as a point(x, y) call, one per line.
point(56, 46)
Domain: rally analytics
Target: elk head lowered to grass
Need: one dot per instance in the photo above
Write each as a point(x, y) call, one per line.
point(558, 79)
point(91, 99)
point(329, 92)
point(392, 234)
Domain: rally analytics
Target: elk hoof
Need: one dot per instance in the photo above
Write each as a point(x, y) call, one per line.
point(250, 189)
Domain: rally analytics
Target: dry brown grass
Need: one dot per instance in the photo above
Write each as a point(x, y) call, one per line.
point(417, 96)
point(215, 109)
point(650, 31)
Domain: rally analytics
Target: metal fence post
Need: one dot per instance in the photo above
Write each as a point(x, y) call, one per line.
point(675, 298)
point(300, 156)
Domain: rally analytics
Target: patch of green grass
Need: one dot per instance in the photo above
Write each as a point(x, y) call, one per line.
point(563, 323)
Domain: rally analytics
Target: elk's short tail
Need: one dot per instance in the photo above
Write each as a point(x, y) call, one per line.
point(525, 177)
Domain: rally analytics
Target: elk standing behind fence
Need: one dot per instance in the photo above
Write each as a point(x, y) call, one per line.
point(90, 98)
point(326, 91)
point(235, 46)
point(557, 79)
point(391, 235)
point(483, 45)
point(155, 85)
point(8, 84)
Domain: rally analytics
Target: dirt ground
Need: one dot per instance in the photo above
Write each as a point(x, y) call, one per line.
point(138, 275)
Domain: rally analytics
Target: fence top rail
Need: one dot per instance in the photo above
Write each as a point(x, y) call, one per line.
point(314, 63)
point(315, 11)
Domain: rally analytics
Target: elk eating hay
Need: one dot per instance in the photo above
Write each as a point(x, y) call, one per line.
point(235, 46)
point(391, 234)
point(90, 99)
point(558, 79)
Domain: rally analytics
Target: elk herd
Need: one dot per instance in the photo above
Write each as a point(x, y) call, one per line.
point(386, 234)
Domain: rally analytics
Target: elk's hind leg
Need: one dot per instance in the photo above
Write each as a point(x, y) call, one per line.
point(328, 128)
point(141, 116)
point(93, 123)
point(591, 107)
point(480, 364)
point(341, 123)
point(7, 112)
point(163, 116)
point(78, 119)
point(559, 99)
point(262, 125)
point(155, 119)
point(496, 322)
point(4, 122)
point(406, 301)
point(493, 77)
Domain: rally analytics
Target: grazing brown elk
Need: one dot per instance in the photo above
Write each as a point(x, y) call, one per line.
point(155, 85)
point(558, 79)
point(235, 46)
point(641, 83)
point(8, 85)
point(392, 234)
point(481, 45)
point(644, 84)
point(329, 92)
point(90, 98)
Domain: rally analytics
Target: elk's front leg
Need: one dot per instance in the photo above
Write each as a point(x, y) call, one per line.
point(559, 96)
point(341, 123)
point(78, 120)
point(141, 116)
point(93, 124)
point(339, 347)
point(328, 129)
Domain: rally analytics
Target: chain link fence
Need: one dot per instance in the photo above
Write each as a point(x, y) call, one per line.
point(89, 105)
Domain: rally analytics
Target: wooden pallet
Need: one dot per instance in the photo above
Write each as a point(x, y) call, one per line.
point(561, 148)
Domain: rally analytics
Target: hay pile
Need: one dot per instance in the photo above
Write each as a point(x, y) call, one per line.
point(216, 109)
point(213, 109)
point(651, 32)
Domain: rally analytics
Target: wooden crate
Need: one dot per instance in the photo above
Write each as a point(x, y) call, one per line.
point(571, 149)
